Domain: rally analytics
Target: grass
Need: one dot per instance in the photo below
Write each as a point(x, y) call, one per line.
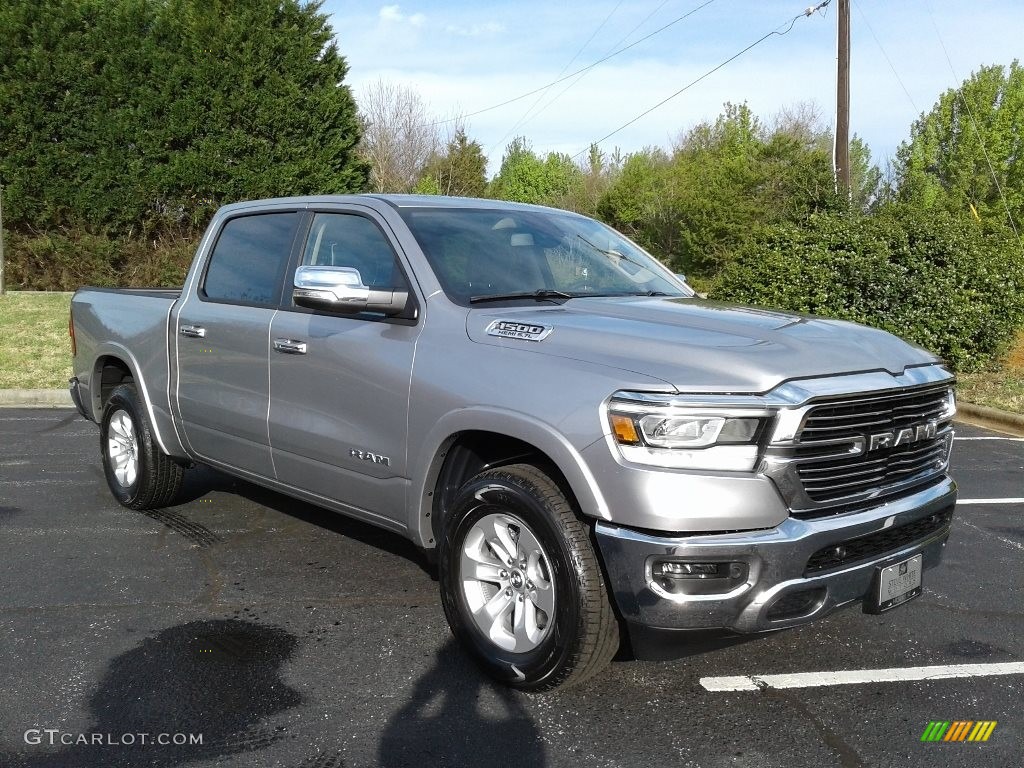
point(1000, 387)
point(35, 351)
point(997, 389)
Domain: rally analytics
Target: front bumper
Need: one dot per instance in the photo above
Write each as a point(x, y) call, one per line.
point(779, 590)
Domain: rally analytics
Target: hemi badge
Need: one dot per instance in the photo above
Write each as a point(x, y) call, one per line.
point(510, 329)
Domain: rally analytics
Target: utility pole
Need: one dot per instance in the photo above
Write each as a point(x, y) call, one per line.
point(841, 158)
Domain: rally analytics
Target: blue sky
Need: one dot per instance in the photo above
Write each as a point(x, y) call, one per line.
point(465, 56)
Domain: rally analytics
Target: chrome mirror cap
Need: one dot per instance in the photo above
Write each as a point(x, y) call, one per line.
point(341, 289)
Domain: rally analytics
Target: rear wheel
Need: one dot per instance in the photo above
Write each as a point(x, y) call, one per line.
point(520, 582)
point(139, 474)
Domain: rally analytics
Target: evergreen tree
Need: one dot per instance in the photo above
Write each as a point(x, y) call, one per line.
point(461, 170)
point(143, 116)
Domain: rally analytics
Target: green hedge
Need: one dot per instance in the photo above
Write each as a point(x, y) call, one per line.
point(946, 284)
point(65, 261)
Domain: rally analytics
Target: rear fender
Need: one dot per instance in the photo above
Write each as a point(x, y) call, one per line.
point(162, 426)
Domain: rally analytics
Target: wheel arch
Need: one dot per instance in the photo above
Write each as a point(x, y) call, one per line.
point(115, 365)
point(108, 372)
point(472, 440)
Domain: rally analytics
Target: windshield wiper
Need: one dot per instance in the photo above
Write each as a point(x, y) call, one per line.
point(610, 254)
point(544, 294)
point(619, 294)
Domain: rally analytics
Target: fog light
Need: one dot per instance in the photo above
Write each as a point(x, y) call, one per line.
point(688, 570)
point(697, 578)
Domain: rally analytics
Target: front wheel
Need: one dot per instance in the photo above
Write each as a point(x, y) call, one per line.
point(521, 584)
point(139, 474)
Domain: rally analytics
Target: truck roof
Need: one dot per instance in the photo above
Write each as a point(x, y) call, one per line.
point(396, 201)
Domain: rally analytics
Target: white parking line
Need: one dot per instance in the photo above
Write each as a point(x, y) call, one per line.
point(1018, 500)
point(859, 676)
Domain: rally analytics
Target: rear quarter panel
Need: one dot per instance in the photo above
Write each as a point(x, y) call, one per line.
point(131, 326)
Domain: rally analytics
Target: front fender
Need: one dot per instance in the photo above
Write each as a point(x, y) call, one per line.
point(542, 436)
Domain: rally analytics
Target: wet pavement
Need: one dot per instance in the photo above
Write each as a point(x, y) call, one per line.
point(281, 634)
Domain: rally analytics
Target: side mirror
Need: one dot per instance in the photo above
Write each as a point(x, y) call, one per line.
point(341, 290)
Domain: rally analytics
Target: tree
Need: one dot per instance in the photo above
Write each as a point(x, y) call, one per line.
point(723, 180)
point(866, 188)
point(641, 201)
point(805, 123)
point(134, 117)
point(521, 176)
point(399, 136)
point(526, 178)
point(970, 135)
point(461, 170)
point(599, 172)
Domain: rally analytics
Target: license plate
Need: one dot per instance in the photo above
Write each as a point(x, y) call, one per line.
point(895, 585)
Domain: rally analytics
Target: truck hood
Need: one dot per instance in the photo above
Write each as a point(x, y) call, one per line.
point(699, 346)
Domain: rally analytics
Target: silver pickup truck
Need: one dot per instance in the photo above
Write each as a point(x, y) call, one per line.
point(590, 453)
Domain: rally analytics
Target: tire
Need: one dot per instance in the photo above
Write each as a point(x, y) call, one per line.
point(139, 474)
point(502, 612)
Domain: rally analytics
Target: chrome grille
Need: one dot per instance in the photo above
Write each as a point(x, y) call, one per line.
point(830, 421)
point(831, 457)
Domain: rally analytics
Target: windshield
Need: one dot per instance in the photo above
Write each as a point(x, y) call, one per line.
point(484, 254)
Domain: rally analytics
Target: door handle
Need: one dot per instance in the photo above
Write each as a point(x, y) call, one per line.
point(290, 346)
point(193, 331)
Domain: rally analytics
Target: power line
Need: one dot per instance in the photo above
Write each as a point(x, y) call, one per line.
point(560, 73)
point(710, 72)
point(621, 40)
point(602, 60)
point(885, 55)
point(959, 91)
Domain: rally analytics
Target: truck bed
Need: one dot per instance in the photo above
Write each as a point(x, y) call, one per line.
point(156, 293)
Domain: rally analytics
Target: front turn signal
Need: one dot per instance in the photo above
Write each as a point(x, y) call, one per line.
point(625, 429)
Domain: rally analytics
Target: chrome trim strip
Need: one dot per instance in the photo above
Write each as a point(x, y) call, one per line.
point(799, 391)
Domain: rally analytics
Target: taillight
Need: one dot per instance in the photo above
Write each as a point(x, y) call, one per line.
point(71, 333)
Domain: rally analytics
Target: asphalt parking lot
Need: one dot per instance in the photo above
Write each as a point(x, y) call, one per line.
point(286, 635)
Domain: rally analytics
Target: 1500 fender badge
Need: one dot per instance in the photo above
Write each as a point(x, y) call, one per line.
point(510, 329)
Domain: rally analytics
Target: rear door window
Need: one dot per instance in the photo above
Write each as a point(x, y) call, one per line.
point(249, 260)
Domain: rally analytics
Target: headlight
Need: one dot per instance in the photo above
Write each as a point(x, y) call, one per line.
point(709, 433)
point(949, 407)
point(696, 431)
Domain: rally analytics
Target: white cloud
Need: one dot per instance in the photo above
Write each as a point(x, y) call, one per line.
point(475, 30)
point(392, 14)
